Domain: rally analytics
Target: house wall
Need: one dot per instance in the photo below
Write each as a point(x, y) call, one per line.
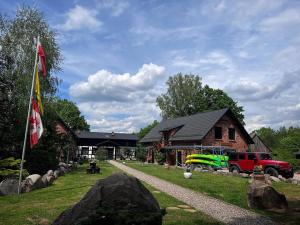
point(240, 142)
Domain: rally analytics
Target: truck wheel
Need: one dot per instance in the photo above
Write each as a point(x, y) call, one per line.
point(232, 168)
point(271, 171)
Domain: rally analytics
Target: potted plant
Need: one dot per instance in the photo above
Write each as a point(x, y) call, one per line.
point(187, 174)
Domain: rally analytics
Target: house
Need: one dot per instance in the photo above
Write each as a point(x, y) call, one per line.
point(68, 138)
point(180, 136)
point(259, 145)
point(113, 143)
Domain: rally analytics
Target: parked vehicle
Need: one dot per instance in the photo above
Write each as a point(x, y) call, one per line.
point(246, 161)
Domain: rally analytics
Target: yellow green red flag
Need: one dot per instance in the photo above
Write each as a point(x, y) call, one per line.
point(38, 91)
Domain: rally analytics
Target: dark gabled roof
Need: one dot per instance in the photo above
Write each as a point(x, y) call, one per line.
point(102, 135)
point(193, 127)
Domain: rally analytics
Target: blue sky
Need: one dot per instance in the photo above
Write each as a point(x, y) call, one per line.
point(119, 54)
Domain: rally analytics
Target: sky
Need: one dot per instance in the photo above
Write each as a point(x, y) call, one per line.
point(118, 55)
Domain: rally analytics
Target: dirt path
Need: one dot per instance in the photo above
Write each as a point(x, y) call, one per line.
point(224, 212)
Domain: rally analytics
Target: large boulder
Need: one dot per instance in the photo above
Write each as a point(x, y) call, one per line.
point(50, 173)
point(63, 170)
point(263, 196)
point(57, 173)
point(9, 186)
point(116, 200)
point(47, 180)
point(33, 182)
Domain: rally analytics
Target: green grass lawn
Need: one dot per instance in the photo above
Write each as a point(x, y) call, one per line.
point(227, 188)
point(46, 204)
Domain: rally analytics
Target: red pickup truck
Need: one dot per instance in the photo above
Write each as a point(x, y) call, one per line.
point(245, 162)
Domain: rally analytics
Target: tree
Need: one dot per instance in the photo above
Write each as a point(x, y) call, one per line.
point(17, 62)
point(268, 135)
point(186, 96)
point(141, 152)
point(70, 114)
point(284, 142)
point(144, 131)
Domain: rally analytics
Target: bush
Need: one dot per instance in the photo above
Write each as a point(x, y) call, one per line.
point(40, 161)
point(141, 153)
point(9, 168)
point(101, 154)
point(160, 157)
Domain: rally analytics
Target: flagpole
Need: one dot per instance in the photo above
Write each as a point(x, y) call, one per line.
point(28, 115)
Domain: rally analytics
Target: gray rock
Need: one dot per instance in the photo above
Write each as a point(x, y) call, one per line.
point(62, 164)
point(267, 176)
point(9, 187)
point(50, 180)
point(263, 196)
point(47, 180)
point(33, 182)
point(281, 178)
point(63, 170)
point(275, 179)
point(44, 179)
point(235, 173)
point(56, 174)
point(118, 199)
point(294, 181)
point(244, 175)
point(50, 173)
point(289, 180)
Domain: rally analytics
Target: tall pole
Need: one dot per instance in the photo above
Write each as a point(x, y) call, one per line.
point(28, 115)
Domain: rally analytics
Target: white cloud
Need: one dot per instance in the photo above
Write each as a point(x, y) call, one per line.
point(284, 19)
point(106, 86)
point(81, 18)
point(212, 60)
point(117, 6)
point(120, 102)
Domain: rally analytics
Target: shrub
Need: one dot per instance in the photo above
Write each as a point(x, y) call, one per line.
point(101, 154)
point(40, 161)
point(141, 153)
point(160, 157)
point(9, 168)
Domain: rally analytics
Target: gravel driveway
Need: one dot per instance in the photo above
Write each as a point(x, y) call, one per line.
point(224, 212)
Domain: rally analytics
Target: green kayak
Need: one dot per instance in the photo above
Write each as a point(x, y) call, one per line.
point(208, 159)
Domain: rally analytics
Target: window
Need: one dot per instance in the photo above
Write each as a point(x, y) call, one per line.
point(242, 156)
point(94, 151)
point(265, 156)
point(84, 151)
point(232, 156)
point(251, 156)
point(218, 132)
point(231, 134)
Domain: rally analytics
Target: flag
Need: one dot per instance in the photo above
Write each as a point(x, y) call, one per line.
point(38, 91)
point(42, 59)
point(36, 126)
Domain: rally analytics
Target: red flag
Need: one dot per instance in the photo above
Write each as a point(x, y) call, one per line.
point(36, 126)
point(42, 59)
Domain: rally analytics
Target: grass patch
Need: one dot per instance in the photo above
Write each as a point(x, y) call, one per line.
point(227, 188)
